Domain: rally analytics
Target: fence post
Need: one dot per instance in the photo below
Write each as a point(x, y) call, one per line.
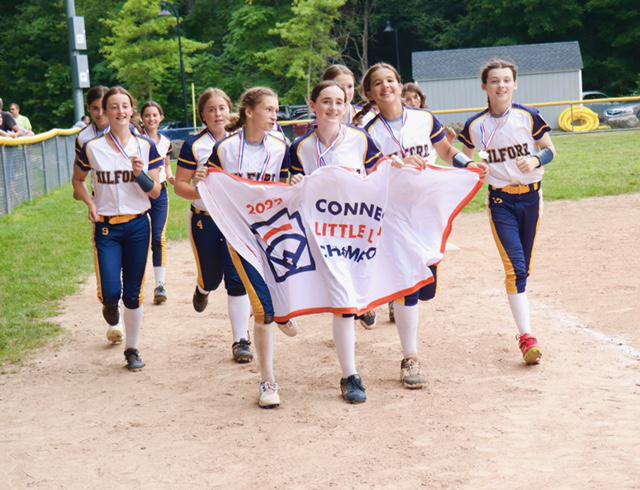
point(66, 157)
point(58, 162)
point(27, 176)
point(44, 169)
point(5, 174)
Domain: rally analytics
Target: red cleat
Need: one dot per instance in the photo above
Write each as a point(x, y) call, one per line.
point(531, 353)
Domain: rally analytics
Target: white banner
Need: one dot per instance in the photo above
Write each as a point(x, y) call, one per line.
point(341, 242)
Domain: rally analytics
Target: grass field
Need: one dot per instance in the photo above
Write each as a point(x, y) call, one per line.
point(46, 251)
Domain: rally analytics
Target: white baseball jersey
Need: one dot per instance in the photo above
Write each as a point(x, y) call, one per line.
point(88, 133)
point(164, 148)
point(505, 139)
point(115, 190)
point(412, 134)
point(353, 148)
point(267, 161)
point(194, 155)
point(353, 110)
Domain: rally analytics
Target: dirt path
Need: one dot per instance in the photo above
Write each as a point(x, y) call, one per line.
point(73, 417)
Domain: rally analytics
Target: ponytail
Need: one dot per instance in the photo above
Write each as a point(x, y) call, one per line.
point(357, 119)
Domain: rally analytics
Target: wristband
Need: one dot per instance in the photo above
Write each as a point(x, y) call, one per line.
point(145, 182)
point(544, 156)
point(460, 160)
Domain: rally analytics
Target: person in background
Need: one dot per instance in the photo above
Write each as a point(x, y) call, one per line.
point(83, 122)
point(22, 121)
point(413, 96)
point(9, 124)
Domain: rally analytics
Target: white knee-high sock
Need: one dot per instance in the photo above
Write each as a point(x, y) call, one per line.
point(161, 274)
point(344, 336)
point(239, 310)
point(519, 304)
point(263, 340)
point(133, 325)
point(407, 318)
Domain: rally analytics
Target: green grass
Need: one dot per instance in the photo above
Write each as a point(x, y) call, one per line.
point(46, 251)
point(588, 165)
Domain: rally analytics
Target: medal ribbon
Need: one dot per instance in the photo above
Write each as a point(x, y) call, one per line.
point(267, 159)
point(388, 127)
point(487, 141)
point(321, 154)
point(121, 148)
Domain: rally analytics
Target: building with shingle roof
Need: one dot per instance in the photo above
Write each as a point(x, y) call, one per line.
point(546, 73)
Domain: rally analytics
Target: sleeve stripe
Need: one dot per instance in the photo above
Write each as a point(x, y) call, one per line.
point(540, 130)
point(432, 136)
point(465, 140)
point(374, 157)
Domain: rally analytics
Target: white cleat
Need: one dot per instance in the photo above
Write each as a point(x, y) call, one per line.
point(290, 328)
point(115, 334)
point(269, 396)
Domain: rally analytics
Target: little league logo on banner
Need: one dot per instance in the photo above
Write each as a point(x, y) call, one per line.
point(341, 242)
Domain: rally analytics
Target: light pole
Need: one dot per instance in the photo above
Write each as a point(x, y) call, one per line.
point(167, 10)
point(390, 28)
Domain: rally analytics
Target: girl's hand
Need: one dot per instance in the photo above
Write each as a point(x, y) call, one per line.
point(296, 179)
point(481, 165)
point(172, 180)
point(93, 212)
point(138, 165)
point(415, 161)
point(199, 175)
point(527, 164)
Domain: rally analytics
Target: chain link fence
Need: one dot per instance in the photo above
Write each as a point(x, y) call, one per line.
point(32, 167)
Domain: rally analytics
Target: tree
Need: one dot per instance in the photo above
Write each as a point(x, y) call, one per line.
point(308, 45)
point(142, 49)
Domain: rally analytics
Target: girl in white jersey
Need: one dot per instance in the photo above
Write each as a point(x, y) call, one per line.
point(124, 176)
point(416, 136)
point(209, 246)
point(515, 142)
point(152, 115)
point(254, 153)
point(334, 143)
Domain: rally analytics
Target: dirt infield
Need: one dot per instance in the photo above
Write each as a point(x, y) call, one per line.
point(73, 417)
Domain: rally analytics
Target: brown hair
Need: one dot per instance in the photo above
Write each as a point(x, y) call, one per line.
point(114, 91)
point(415, 88)
point(315, 93)
point(151, 103)
point(498, 63)
point(96, 93)
point(366, 87)
point(334, 71)
point(250, 98)
point(209, 94)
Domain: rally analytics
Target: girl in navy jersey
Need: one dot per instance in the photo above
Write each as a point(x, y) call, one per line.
point(209, 246)
point(334, 143)
point(417, 137)
point(124, 176)
point(515, 142)
point(254, 153)
point(152, 115)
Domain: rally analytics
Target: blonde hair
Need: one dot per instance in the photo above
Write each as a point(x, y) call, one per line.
point(209, 94)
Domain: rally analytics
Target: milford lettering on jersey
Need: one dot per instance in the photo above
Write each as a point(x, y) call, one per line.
point(499, 155)
point(256, 176)
point(115, 176)
point(420, 150)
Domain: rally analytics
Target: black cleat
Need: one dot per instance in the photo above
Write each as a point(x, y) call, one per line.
point(353, 391)
point(159, 295)
point(111, 314)
point(200, 300)
point(134, 361)
point(241, 351)
point(368, 320)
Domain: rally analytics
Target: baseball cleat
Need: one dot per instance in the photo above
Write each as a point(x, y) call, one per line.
point(134, 361)
point(242, 351)
point(368, 320)
point(200, 300)
point(269, 396)
point(531, 353)
point(111, 314)
point(159, 295)
point(353, 391)
point(115, 334)
point(411, 373)
point(290, 328)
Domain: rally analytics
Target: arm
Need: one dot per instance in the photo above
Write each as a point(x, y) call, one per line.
point(148, 181)
point(80, 192)
point(167, 165)
point(545, 155)
point(183, 182)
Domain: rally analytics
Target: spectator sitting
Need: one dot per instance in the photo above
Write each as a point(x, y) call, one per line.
point(22, 121)
point(82, 123)
point(9, 124)
point(3, 133)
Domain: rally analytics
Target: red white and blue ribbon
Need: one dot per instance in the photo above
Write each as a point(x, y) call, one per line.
point(321, 154)
point(121, 149)
point(267, 159)
point(397, 140)
point(486, 141)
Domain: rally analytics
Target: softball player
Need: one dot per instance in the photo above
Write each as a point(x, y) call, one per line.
point(334, 143)
point(416, 136)
point(99, 122)
point(209, 246)
point(413, 96)
point(124, 172)
point(152, 115)
point(515, 142)
point(255, 153)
